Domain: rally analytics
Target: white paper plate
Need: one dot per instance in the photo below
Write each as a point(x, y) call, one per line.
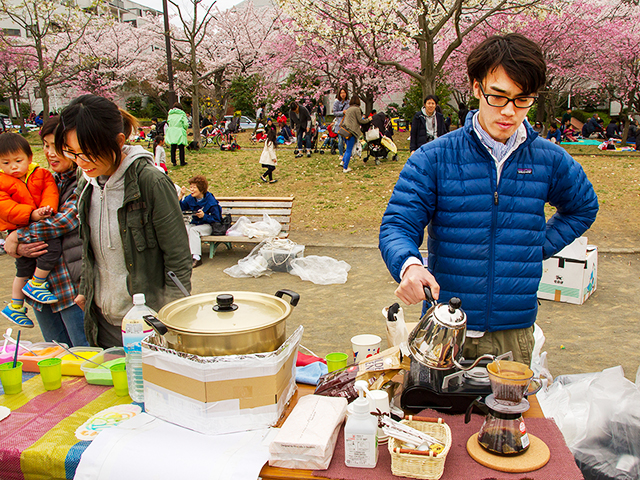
point(4, 413)
point(107, 418)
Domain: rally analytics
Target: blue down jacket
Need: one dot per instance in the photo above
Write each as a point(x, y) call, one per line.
point(486, 243)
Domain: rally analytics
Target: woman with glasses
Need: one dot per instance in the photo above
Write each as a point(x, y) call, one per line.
point(481, 190)
point(130, 219)
point(62, 321)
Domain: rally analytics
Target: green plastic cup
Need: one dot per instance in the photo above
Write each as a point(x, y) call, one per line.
point(336, 361)
point(51, 373)
point(119, 376)
point(11, 377)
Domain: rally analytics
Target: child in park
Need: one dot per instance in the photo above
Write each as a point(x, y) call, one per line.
point(160, 156)
point(28, 193)
point(268, 158)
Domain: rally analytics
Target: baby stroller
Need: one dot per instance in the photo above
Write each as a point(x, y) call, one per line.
point(380, 147)
point(331, 141)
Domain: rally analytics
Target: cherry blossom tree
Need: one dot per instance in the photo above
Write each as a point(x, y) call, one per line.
point(54, 31)
point(427, 31)
point(318, 65)
point(15, 66)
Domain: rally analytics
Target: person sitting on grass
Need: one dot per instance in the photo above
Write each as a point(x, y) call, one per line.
point(268, 159)
point(28, 193)
point(554, 135)
point(206, 210)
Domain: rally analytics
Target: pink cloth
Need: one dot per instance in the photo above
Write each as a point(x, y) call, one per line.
point(303, 360)
point(459, 465)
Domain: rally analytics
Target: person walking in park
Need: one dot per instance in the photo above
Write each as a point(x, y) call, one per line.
point(301, 124)
point(339, 107)
point(353, 118)
point(427, 124)
point(260, 117)
point(176, 134)
point(463, 111)
point(62, 321)
point(268, 158)
point(131, 224)
point(481, 190)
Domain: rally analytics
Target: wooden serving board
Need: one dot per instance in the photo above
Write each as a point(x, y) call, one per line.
point(534, 458)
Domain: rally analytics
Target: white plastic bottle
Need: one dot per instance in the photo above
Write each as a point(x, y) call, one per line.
point(360, 433)
point(134, 330)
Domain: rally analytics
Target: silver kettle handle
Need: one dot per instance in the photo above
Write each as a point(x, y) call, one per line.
point(429, 296)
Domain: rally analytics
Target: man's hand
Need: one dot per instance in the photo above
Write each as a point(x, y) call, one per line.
point(200, 213)
point(183, 192)
point(40, 213)
point(411, 288)
point(80, 301)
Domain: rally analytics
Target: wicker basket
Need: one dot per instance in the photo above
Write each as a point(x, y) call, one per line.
point(424, 466)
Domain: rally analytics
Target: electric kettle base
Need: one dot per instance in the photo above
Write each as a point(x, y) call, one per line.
point(448, 391)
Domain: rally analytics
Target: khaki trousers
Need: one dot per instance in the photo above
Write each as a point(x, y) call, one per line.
point(519, 341)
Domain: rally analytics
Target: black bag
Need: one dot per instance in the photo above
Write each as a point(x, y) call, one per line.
point(222, 227)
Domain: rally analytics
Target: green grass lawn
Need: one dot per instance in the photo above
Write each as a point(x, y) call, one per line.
point(328, 199)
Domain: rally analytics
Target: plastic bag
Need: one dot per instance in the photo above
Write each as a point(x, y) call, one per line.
point(320, 270)
point(539, 363)
point(357, 150)
point(253, 265)
point(267, 227)
point(599, 416)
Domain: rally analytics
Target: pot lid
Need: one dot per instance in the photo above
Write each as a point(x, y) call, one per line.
point(224, 313)
point(450, 315)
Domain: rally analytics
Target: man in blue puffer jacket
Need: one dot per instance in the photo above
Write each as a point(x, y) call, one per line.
point(481, 190)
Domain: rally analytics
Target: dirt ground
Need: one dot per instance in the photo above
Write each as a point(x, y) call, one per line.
point(599, 334)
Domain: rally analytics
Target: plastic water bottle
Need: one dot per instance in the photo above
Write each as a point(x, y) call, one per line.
point(134, 330)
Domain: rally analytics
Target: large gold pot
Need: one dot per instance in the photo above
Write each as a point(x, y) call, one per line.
point(225, 323)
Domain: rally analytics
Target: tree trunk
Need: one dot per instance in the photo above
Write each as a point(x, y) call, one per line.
point(195, 98)
point(16, 101)
point(44, 95)
point(625, 130)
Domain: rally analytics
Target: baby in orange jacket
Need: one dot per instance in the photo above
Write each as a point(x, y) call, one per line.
point(28, 193)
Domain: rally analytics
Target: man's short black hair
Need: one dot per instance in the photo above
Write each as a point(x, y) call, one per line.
point(553, 125)
point(520, 57)
point(430, 97)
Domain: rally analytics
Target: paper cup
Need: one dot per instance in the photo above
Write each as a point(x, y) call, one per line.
point(365, 346)
point(51, 373)
point(379, 400)
point(11, 377)
point(119, 376)
point(336, 361)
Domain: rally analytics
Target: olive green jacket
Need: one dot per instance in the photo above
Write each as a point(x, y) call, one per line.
point(153, 235)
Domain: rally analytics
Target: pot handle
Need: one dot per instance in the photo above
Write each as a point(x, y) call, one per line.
point(295, 298)
point(476, 403)
point(156, 324)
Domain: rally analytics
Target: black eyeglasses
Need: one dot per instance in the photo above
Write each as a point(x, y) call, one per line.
point(502, 101)
point(75, 156)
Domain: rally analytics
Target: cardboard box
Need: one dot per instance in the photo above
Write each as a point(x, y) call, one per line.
point(571, 275)
point(217, 395)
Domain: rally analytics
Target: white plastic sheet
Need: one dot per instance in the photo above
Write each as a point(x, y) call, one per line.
point(320, 270)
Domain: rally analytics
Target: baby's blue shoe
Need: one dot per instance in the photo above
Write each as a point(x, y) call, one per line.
point(17, 316)
point(40, 294)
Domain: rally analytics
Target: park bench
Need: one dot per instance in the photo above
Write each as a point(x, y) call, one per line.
point(278, 208)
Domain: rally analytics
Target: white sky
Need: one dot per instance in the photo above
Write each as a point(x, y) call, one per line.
point(157, 4)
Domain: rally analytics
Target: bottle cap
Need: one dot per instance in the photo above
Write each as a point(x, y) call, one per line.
point(138, 299)
point(361, 405)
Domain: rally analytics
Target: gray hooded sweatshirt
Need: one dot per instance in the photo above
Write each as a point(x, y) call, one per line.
point(111, 293)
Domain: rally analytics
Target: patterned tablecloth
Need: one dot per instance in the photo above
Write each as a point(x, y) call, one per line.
point(37, 441)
